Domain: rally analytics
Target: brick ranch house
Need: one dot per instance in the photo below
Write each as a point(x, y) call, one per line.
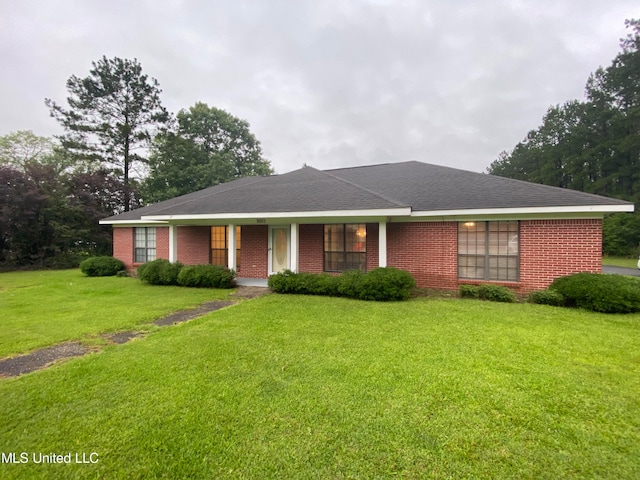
point(445, 226)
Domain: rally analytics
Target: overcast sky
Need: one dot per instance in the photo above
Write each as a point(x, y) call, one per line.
point(329, 83)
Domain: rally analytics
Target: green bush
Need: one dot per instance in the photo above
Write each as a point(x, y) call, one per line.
point(381, 284)
point(496, 293)
point(599, 292)
point(386, 284)
point(469, 291)
point(547, 297)
point(282, 282)
point(350, 283)
point(160, 272)
point(101, 266)
point(304, 283)
point(206, 276)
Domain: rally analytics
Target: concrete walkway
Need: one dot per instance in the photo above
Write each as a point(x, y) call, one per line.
point(45, 357)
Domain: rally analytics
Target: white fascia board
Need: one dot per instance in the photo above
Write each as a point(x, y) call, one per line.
point(127, 223)
point(384, 212)
point(581, 209)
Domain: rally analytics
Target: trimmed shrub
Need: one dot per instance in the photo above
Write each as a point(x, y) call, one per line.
point(101, 266)
point(206, 276)
point(381, 284)
point(547, 297)
point(282, 282)
point(599, 292)
point(315, 284)
point(469, 291)
point(304, 283)
point(350, 283)
point(496, 293)
point(160, 272)
point(386, 284)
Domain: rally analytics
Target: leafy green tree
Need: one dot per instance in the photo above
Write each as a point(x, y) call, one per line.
point(23, 146)
point(592, 146)
point(209, 146)
point(113, 114)
point(32, 209)
point(49, 218)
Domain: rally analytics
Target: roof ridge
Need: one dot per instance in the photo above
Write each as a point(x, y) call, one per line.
point(379, 195)
point(353, 167)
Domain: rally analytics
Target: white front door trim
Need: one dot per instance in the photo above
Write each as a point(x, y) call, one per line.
point(285, 263)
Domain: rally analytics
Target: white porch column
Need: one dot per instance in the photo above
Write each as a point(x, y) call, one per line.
point(382, 244)
point(231, 247)
point(173, 243)
point(294, 247)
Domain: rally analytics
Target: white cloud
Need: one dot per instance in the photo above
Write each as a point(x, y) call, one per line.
point(328, 83)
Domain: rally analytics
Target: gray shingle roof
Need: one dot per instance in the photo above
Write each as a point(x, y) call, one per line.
point(432, 187)
point(420, 186)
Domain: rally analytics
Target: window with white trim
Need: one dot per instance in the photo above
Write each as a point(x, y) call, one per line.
point(345, 247)
point(220, 245)
point(144, 244)
point(489, 250)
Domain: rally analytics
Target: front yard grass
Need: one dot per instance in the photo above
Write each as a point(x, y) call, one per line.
point(310, 387)
point(42, 308)
point(620, 262)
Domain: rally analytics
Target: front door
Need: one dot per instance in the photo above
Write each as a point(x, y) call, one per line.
point(279, 246)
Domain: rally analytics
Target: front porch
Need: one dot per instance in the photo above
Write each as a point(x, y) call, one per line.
point(257, 251)
point(251, 282)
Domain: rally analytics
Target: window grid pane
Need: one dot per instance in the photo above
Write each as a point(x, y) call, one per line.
point(488, 250)
point(144, 244)
point(345, 247)
point(219, 245)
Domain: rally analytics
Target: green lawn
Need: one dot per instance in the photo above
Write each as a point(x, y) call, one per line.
point(312, 387)
point(620, 262)
point(38, 309)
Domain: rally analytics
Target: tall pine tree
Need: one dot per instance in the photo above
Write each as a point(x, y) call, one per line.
point(112, 116)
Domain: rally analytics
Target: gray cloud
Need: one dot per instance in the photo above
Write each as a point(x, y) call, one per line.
point(328, 83)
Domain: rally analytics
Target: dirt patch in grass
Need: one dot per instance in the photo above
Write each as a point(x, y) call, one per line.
point(186, 315)
point(11, 367)
point(18, 365)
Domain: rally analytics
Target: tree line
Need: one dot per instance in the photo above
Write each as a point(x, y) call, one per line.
point(592, 145)
point(120, 149)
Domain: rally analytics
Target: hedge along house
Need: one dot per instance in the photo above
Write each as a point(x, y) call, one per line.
point(445, 226)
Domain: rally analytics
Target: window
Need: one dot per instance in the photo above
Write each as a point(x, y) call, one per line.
point(489, 250)
point(145, 244)
point(345, 247)
point(220, 246)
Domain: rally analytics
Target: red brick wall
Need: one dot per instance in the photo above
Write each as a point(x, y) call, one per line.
point(162, 242)
point(254, 260)
point(428, 250)
point(548, 249)
point(311, 248)
point(553, 248)
point(123, 245)
point(372, 246)
point(194, 245)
